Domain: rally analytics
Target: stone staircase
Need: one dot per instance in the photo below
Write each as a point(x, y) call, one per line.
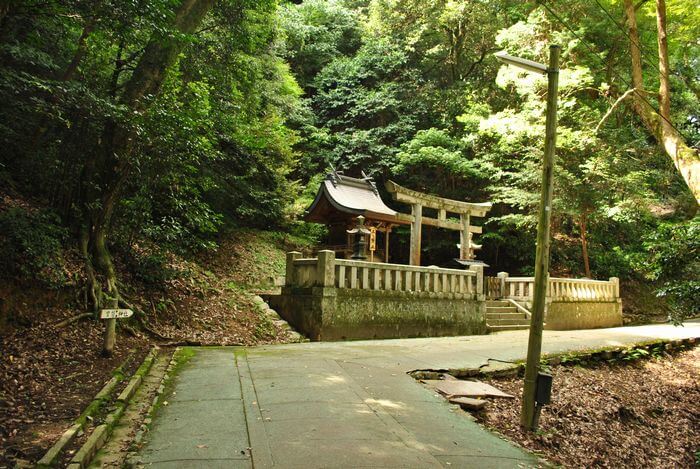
point(502, 315)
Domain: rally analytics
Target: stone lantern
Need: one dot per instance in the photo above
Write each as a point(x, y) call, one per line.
point(360, 233)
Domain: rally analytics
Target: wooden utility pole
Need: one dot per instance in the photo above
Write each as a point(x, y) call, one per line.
point(530, 412)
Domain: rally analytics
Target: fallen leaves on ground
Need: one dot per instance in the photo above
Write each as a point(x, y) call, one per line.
point(640, 414)
point(47, 377)
point(210, 301)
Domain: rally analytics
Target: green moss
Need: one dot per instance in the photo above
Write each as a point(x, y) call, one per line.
point(181, 358)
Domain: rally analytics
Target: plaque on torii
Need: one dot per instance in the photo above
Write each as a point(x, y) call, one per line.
point(465, 210)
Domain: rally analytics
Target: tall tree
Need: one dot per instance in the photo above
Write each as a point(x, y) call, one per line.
point(107, 171)
point(664, 86)
point(684, 157)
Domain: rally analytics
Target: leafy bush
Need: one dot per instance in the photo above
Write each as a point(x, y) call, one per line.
point(674, 260)
point(613, 262)
point(31, 246)
point(152, 267)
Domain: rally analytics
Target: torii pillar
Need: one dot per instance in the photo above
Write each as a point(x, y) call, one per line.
point(418, 200)
point(416, 225)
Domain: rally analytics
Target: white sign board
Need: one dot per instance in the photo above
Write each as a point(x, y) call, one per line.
point(115, 313)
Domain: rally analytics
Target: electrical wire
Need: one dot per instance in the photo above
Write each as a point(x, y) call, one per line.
point(637, 44)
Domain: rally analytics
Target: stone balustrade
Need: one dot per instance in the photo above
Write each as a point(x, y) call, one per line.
point(330, 299)
point(326, 271)
point(558, 289)
point(571, 303)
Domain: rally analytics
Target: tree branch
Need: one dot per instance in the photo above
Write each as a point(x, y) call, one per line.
point(72, 319)
point(619, 100)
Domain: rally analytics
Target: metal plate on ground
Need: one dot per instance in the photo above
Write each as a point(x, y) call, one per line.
point(459, 388)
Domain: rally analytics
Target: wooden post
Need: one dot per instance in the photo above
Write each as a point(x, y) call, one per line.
point(417, 212)
point(110, 334)
point(325, 268)
point(529, 411)
point(372, 242)
point(386, 243)
point(289, 272)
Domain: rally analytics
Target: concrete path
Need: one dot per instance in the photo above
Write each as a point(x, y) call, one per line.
point(346, 404)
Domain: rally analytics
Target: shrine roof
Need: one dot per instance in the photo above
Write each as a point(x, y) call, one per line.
point(351, 196)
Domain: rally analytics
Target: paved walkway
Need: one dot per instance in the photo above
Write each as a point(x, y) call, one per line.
point(345, 404)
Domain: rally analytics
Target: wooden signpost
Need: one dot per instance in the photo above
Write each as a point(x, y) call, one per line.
point(111, 315)
point(116, 313)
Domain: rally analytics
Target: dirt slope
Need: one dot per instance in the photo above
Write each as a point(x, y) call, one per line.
point(49, 374)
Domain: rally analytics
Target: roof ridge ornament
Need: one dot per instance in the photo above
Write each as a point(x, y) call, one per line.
point(369, 181)
point(334, 175)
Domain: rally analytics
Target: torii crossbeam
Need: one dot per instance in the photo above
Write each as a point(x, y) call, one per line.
point(418, 200)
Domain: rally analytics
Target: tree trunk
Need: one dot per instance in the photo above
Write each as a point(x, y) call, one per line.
point(106, 172)
point(4, 9)
point(684, 157)
point(583, 221)
point(79, 52)
point(635, 53)
point(664, 88)
point(66, 75)
point(161, 53)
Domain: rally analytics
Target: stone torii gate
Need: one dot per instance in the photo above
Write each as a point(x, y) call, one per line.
point(418, 200)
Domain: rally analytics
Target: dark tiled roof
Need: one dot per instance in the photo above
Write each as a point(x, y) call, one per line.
point(351, 195)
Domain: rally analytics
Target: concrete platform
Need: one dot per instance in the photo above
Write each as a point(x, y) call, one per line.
point(347, 404)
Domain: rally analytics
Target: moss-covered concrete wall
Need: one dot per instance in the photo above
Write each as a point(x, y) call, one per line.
point(570, 315)
point(339, 313)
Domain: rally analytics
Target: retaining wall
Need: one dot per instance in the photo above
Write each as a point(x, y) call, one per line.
point(570, 315)
point(324, 313)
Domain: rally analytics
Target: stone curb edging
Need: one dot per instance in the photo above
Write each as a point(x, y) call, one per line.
point(277, 320)
point(512, 369)
point(138, 438)
point(102, 432)
point(97, 402)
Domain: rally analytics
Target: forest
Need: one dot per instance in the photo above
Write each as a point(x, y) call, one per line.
point(136, 130)
point(159, 155)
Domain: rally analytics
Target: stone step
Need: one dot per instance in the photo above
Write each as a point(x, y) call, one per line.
point(501, 309)
point(508, 322)
point(508, 328)
point(514, 315)
point(498, 303)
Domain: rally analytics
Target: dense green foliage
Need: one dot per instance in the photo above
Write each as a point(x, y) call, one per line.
point(31, 246)
point(262, 97)
point(423, 101)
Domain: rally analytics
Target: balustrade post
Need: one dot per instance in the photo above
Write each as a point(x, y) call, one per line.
point(325, 268)
point(502, 276)
point(479, 269)
point(616, 287)
point(289, 279)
